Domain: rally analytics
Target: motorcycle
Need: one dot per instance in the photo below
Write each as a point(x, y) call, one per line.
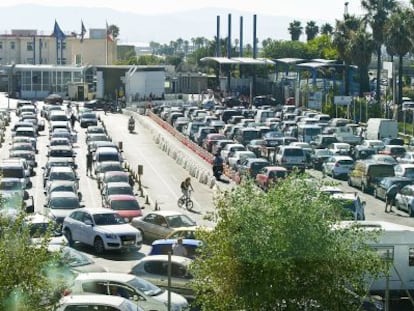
point(131, 127)
point(217, 171)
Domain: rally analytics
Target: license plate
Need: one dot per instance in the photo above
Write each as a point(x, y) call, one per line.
point(128, 243)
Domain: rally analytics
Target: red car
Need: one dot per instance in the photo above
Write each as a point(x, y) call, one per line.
point(127, 206)
point(269, 175)
point(211, 139)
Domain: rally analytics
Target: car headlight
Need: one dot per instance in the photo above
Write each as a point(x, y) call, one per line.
point(126, 219)
point(110, 236)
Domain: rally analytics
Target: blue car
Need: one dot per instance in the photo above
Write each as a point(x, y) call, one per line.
point(163, 246)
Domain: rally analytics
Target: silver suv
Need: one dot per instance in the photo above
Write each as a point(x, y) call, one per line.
point(290, 157)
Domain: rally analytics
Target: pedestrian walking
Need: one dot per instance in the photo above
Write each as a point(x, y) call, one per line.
point(72, 121)
point(89, 163)
point(390, 197)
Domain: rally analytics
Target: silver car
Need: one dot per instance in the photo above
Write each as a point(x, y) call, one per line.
point(157, 225)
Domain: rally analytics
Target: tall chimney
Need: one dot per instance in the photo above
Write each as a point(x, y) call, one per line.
point(241, 37)
point(218, 37)
point(254, 36)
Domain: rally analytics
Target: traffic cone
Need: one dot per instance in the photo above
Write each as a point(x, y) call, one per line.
point(156, 208)
point(147, 200)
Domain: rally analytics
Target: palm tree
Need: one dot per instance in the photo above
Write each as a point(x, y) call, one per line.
point(295, 30)
point(326, 29)
point(179, 42)
point(343, 35)
point(266, 42)
point(377, 15)
point(186, 46)
point(397, 37)
point(311, 30)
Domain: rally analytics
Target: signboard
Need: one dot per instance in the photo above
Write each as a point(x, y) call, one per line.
point(315, 100)
point(389, 68)
point(343, 100)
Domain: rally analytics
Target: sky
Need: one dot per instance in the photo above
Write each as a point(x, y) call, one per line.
point(318, 9)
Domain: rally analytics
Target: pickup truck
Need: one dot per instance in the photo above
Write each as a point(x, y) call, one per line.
point(269, 175)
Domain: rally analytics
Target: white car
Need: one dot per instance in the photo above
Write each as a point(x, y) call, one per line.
point(239, 156)
point(101, 228)
point(375, 144)
point(404, 170)
point(39, 225)
point(338, 166)
point(147, 295)
point(96, 302)
point(340, 148)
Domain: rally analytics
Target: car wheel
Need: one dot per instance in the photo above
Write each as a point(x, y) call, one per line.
point(68, 236)
point(98, 245)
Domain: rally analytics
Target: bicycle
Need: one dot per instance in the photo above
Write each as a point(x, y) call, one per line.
point(186, 201)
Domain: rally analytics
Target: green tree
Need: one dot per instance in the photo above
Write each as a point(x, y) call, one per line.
point(377, 15)
point(398, 31)
point(326, 29)
point(311, 30)
point(295, 29)
point(278, 251)
point(28, 279)
point(322, 47)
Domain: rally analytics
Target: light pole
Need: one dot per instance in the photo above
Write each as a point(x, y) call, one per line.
point(346, 8)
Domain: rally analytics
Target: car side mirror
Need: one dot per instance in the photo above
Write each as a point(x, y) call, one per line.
point(88, 222)
point(25, 195)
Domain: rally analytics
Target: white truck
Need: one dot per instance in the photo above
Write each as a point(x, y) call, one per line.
point(378, 128)
point(396, 244)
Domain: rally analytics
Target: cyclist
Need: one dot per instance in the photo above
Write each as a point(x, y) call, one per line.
point(186, 187)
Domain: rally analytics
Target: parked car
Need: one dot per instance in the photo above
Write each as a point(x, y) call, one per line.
point(238, 157)
point(405, 199)
point(101, 228)
point(88, 119)
point(115, 188)
point(393, 150)
point(139, 291)
point(61, 204)
point(340, 148)
point(319, 157)
point(164, 246)
point(381, 188)
point(126, 206)
point(408, 157)
point(291, 157)
point(96, 302)
point(158, 224)
point(155, 270)
point(269, 175)
point(252, 166)
point(404, 170)
point(367, 173)
point(338, 166)
point(383, 158)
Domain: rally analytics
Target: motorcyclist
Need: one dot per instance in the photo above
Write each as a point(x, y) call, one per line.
point(217, 166)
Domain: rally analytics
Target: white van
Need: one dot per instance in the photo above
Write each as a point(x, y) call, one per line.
point(378, 128)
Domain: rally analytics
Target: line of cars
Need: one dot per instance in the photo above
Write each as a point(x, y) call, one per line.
point(105, 228)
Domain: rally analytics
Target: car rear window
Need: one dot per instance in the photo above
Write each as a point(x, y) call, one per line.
point(293, 152)
point(345, 162)
point(381, 170)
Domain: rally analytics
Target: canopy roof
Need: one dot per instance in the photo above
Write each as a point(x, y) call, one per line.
point(239, 60)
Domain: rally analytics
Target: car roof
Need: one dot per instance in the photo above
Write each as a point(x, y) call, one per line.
point(338, 158)
point(93, 298)
point(177, 259)
point(167, 213)
point(106, 276)
point(63, 194)
point(276, 168)
point(99, 210)
point(62, 169)
point(192, 242)
point(115, 173)
point(117, 184)
point(122, 197)
point(345, 196)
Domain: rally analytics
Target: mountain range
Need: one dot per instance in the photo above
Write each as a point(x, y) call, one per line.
point(134, 27)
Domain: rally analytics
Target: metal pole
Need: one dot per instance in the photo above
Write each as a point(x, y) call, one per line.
point(169, 283)
point(387, 285)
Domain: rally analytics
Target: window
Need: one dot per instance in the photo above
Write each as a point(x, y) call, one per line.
point(12, 45)
point(29, 61)
point(156, 267)
point(386, 253)
point(30, 46)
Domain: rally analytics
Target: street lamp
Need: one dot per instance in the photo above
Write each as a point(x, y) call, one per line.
point(346, 8)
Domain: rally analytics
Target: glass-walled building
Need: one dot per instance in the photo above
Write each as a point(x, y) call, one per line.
point(38, 81)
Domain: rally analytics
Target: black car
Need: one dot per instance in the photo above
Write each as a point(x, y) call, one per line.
point(393, 141)
point(362, 153)
point(95, 104)
point(381, 188)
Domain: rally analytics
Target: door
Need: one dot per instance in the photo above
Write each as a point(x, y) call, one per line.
point(81, 92)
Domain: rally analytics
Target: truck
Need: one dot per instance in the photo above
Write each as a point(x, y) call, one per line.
point(395, 244)
point(379, 128)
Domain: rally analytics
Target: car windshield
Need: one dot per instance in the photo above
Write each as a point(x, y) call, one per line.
point(116, 178)
point(22, 147)
point(120, 190)
point(180, 221)
point(278, 174)
point(74, 258)
point(323, 152)
point(122, 205)
point(11, 185)
point(61, 153)
point(64, 203)
point(108, 219)
point(62, 176)
point(12, 173)
point(88, 116)
point(67, 188)
point(145, 286)
point(38, 230)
